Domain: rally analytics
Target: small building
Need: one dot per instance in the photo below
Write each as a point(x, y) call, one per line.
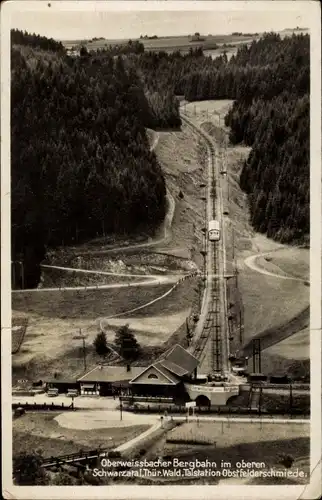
point(104, 380)
point(63, 385)
point(166, 376)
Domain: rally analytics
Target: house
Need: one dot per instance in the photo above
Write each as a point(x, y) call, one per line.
point(104, 380)
point(166, 376)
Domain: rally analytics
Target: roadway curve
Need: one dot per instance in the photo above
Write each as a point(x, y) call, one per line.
point(250, 262)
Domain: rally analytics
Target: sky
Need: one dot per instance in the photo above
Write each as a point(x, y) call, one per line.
point(68, 25)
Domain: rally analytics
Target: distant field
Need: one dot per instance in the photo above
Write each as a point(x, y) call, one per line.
point(166, 43)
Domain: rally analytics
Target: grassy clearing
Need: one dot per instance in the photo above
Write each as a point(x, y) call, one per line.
point(261, 443)
point(35, 431)
point(292, 261)
point(269, 302)
point(296, 347)
point(182, 297)
point(229, 434)
point(54, 318)
point(73, 304)
point(181, 155)
point(57, 278)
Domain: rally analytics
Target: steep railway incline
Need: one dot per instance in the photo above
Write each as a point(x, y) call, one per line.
point(211, 343)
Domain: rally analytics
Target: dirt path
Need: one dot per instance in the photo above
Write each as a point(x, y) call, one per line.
point(139, 438)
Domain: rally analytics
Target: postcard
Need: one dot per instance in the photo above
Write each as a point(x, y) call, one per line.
point(161, 249)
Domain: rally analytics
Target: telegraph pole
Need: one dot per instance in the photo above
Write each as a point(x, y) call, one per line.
point(121, 406)
point(13, 275)
point(22, 275)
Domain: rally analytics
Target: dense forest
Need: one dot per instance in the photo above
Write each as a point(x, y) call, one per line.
point(81, 164)
point(80, 158)
point(269, 80)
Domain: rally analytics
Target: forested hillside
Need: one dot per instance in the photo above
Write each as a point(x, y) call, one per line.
point(81, 163)
point(270, 83)
point(272, 116)
point(36, 41)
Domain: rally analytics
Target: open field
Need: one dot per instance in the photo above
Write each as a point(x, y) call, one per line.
point(275, 301)
point(292, 261)
point(294, 347)
point(262, 443)
point(81, 304)
point(170, 43)
point(54, 318)
point(225, 435)
point(42, 431)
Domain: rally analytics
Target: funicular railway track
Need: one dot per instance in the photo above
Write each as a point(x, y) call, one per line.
point(209, 342)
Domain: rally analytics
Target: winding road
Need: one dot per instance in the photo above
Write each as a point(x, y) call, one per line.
point(250, 262)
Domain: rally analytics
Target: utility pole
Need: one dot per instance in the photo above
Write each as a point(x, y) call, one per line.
point(22, 275)
point(121, 406)
point(240, 327)
point(82, 337)
point(13, 275)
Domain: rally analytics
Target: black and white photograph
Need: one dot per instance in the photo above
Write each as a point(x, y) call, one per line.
point(161, 249)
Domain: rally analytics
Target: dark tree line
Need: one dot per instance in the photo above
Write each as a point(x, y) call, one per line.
point(270, 83)
point(273, 117)
point(36, 41)
point(131, 47)
point(81, 163)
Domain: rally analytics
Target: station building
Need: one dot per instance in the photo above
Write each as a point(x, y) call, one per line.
point(163, 378)
point(166, 376)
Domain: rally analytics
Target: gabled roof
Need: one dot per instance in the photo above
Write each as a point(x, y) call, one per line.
point(179, 361)
point(167, 373)
point(169, 378)
point(178, 370)
point(105, 373)
point(174, 364)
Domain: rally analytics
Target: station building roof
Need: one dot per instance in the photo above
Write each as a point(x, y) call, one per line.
point(105, 373)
